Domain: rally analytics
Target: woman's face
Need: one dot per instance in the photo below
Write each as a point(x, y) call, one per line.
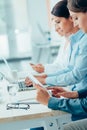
point(62, 25)
point(80, 19)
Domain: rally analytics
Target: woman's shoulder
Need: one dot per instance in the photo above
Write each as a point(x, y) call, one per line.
point(82, 44)
point(83, 41)
point(84, 38)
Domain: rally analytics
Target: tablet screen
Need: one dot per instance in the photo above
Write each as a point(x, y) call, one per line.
point(34, 80)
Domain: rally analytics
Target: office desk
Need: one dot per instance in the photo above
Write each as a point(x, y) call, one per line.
point(37, 115)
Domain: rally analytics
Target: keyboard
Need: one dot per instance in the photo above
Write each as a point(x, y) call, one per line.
point(23, 87)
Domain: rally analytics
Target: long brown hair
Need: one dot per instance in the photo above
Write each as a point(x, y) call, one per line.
point(77, 5)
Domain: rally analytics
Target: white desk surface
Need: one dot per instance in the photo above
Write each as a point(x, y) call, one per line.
point(35, 111)
point(37, 115)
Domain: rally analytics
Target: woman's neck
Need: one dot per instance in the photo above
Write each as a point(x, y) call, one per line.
point(73, 30)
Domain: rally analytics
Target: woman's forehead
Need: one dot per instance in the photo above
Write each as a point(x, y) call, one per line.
point(55, 18)
point(73, 13)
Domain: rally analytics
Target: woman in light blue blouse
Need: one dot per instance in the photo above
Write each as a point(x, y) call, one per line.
point(76, 71)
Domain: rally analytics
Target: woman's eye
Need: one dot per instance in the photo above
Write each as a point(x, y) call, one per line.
point(76, 18)
point(58, 22)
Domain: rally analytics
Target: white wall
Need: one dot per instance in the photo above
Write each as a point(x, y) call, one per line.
point(22, 25)
point(56, 39)
point(37, 12)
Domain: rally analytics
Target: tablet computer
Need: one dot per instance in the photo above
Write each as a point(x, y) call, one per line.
point(34, 80)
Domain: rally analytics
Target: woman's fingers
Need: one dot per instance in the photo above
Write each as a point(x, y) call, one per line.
point(50, 88)
point(28, 82)
point(73, 94)
point(38, 67)
point(31, 64)
point(57, 89)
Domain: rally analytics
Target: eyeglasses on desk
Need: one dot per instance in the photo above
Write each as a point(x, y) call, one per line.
point(18, 106)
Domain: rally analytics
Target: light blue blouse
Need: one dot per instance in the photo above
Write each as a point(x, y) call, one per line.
point(75, 75)
point(76, 72)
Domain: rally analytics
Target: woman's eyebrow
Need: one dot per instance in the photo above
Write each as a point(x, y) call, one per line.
point(57, 20)
point(72, 15)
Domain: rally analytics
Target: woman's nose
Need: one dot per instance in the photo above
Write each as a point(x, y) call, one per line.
point(76, 23)
point(57, 29)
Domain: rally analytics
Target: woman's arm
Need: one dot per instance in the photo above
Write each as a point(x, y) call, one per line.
point(82, 93)
point(74, 106)
point(77, 72)
point(74, 94)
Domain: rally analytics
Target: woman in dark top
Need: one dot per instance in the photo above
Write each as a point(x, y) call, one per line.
point(78, 10)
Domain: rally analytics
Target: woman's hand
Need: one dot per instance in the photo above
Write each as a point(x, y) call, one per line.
point(56, 90)
point(40, 78)
point(72, 94)
point(28, 82)
point(59, 91)
point(42, 95)
point(38, 67)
